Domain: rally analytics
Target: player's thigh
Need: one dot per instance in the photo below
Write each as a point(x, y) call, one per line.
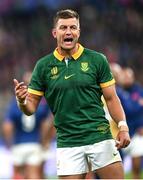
point(18, 172)
point(102, 154)
point(33, 172)
point(136, 163)
point(18, 169)
point(76, 176)
point(71, 161)
point(111, 171)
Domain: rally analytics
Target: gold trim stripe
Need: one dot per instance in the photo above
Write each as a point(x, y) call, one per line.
point(57, 55)
point(106, 84)
point(78, 53)
point(32, 91)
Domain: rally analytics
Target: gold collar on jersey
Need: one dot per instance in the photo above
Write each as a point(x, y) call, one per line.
point(75, 55)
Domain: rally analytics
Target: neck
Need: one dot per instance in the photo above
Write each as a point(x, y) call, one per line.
point(68, 52)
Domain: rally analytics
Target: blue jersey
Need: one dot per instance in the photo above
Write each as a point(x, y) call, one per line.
point(26, 128)
point(132, 108)
point(136, 92)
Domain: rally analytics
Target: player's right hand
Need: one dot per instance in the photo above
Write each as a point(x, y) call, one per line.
point(20, 91)
point(122, 139)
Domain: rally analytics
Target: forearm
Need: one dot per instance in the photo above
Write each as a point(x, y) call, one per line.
point(115, 109)
point(26, 108)
point(30, 104)
point(117, 113)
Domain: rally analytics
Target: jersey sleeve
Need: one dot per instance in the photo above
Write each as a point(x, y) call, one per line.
point(105, 75)
point(36, 85)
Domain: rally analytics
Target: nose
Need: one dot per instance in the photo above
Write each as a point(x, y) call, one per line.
point(68, 31)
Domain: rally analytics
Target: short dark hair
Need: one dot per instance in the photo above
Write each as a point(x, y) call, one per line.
point(65, 14)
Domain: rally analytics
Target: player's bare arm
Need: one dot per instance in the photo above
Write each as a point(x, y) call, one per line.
point(117, 113)
point(27, 102)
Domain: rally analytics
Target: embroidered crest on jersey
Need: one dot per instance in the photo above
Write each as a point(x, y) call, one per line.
point(54, 72)
point(103, 129)
point(84, 66)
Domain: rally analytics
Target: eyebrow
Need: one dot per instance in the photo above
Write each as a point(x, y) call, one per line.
point(68, 25)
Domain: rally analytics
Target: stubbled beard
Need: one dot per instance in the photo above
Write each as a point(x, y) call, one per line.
point(67, 48)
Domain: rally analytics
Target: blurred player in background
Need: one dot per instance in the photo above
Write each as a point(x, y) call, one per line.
point(73, 79)
point(135, 121)
point(27, 137)
point(131, 96)
point(118, 75)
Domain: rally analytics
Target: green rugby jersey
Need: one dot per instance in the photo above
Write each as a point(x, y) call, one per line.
point(73, 91)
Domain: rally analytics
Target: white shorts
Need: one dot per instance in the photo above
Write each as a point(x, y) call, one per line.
point(27, 153)
point(135, 148)
point(75, 160)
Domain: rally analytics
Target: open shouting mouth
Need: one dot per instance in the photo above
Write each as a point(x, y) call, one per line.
point(68, 41)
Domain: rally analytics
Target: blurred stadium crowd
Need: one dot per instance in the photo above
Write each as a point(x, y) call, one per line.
point(113, 27)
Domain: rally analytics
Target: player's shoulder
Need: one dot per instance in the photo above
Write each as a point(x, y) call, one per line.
point(46, 59)
point(94, 54)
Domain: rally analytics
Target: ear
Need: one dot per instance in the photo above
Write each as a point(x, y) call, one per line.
point(54, 33)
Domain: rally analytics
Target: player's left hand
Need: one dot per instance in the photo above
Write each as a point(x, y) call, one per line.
point(122, 139)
